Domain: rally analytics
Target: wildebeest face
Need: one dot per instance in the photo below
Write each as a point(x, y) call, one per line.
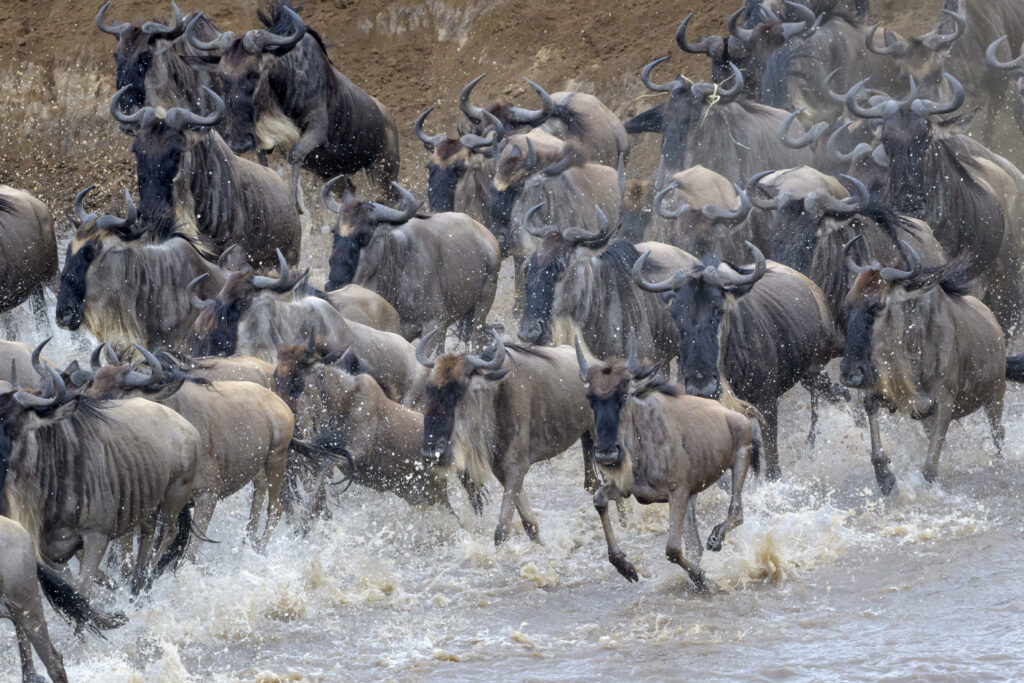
point(133, 57)
point(864, 303)
point(71, 295)
point(545, 269)
point(794, 235)
point(446, 168)
point(907, 137)
point(215, 332)
point(502, 202)
point(445, 388)
point(239, 75)
point(345, 252)
point(698, 309)
point(607, 385)
point(680, 111)
point(158, 150)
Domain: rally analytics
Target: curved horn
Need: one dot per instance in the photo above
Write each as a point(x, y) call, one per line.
point(104, 349)
point(897, 275)
point(898, 48)
point(533, 117)
point(645, 78)
point(498, 130)
point(727, 95)
point(421, 348)
point(474, 142)
point(659, 197)
point(804, 140)
point(156, 371)
point(742, 34)
point(473, 113)
point(852, 265)
point(621, 177)
point(332, 204)
point(385, 214)
point(760, 267)
point(838, 98)
point(593, 240)
point(857, 110)
point(880, 157)
point(117, 224)
point(698, 48)
point(222, 260)
point(158, 30)
point(719, 215)
point(581, 360)
point(537, 230)
point(559, 167)
point(112, 29)
point(672, 283)
point(31, 401)
point(37, 364)
point(80, 209)
point(180, 118)
point(929, 108)
point(190, 291)
point(531, 156)
point(794, 28)
point(935, 41)
point(753, 185)
point(262, 282)
point(127, 119)
point(821, 203)
point(262, 40)
point(495, 362)
point(219, 44)
point(837, 154)
point(430, 142)
point(993, 61)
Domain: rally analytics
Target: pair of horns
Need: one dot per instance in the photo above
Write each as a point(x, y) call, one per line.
point(380, 213)
point(713, 275)
point(517, 116)
point(107, 222)
point(789, 28)
point(888, 274)
point(818, 202)
point(150, 28)
point(713, 213)
point(932, 40)
point(475, 361)
point(177, 118)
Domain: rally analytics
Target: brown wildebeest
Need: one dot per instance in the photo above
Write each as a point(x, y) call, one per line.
point(28, 251)
point(916, 342)
point(217, 369)
point(22, 575)
point(502, 414)
point(436, 270)
point(660, 446)
point(244, 433)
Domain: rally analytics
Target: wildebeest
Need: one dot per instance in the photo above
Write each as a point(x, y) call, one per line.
point(188, 175)
point(218, 369)
point(22, 576)
point(710, 125)
point(970, 198)
point(501, 415)
point(152, 61)
point(752, 332)
point(252, 314)
point(436, 270)
point(28, 250)
point(339, 411)
point(364, 306)
point(459, 172)
point(1015, 70)
point(572, 278)
point(661, 446)
point(244, 433)
point(125, 283)
point(283, 90)
point(80, 473)
point(916, 342)
point(957, 45)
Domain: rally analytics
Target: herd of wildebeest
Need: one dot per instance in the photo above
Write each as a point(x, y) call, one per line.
point(834, 146)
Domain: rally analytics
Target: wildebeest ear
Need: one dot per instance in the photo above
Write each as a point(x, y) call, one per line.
point(497, 375)
point(202, 62)
point(647, 122)
point(957, 125)
point(352, 365)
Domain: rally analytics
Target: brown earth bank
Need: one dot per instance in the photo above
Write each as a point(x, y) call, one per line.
point(57, 74)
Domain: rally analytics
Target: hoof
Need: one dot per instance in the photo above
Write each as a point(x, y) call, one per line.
point(701, 582)
point(930, 474)
point(773, 473)
point(624, 567)
point(887, 483)
point(715, 539)
point(532, 531)
point(500, 536)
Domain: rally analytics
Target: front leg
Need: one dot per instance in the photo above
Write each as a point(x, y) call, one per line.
point(770, 411)
point(938, 425)
point(615, 555)
point(94, 546)
point(513, 484)
point(883, 475)
point(678, 504)
point(313, 137)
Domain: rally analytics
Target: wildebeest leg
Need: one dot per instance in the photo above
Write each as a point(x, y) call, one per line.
point(691, 534)
point(38, 305)
point(259, 495)
point(314, 135)
point(512, 480)
point(94, 545)
point(201, 516)
point(476, 494)
point(144, 558)
point(820, 386)
point(530, 524)
point(28, 669)
point(770, 411)
point(937, 424)
point(994, 412)
point(615, 555)
point(519, 299)
point(884, 476)
point(30, 627)
point(678, 504)
point(590, 480)
point(740, 463)
point(274, 474)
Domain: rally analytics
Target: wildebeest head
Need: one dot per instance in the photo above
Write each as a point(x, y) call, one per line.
point(294, 362)
point(451, 378)
point(548, 266)
point(508, 115)
point(215, 332)
point(94, 236)
point(160, 145)
point(907, 135)
point(872, 290)
point(241, 65)
point(764, 32)
point(686, 104)
point(134, 54)
point(449, 162)
point(702, 229)
point(701, 300)
point(117, 380)
point(355, 227)
point(923, 58)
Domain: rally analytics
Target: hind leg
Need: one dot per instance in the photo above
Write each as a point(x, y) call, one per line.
point(994, 413)
point(30, 626)
point(691, 534)
point(678, 504)
point(28, 668)
point(141, 575)
point(259, 495)
point(530, 524)
point(275, 480)
point(740, 463)
point(38, 305)
point(205, 505)
point(770, 411)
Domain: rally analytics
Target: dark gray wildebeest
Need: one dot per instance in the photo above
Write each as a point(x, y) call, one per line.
point(22, 576)
point(459, 172)
point(338, 411)
point(188, 175)
point(252, 314)
point(81, 473)
point(748, 333)
point(714, 126)
point(125, 282)
point(569, 116)
point(152, 61)
point(815, 215)
point(436, 269)
point(1015, 70)
point(660, 446)
point(28, 251)
point(969, 196)
point(917, 343)
point(500, 415)
point(244, 433)
point(283, 91)
point(576, 279)
point(958, 44)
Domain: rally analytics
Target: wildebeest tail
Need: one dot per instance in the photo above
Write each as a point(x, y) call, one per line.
point(325, 447)
point(66, 600)
point(179, 545)
point(756, 446)
point(1015, 368)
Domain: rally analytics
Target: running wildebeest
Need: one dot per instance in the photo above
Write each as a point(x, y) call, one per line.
point(28, 251)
